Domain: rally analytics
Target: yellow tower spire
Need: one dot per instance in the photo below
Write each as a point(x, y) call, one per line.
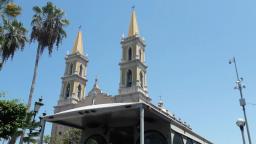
point(78, 46)
point(133, 29)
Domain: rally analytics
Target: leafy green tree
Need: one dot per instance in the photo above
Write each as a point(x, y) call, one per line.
point(12, 32)
point(47, 139)
point(12, 115)
point(72, 136)
point(57, 139)
point(47, 30)
point(14, 118)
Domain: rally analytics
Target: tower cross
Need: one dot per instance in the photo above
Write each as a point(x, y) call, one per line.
point(79, 28)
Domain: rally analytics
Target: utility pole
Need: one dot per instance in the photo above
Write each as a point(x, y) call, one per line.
point(240, 123)
point(240, 87)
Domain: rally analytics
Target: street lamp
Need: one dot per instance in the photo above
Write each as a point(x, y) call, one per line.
point(241, 123)
point(37, 106)
point(240, 87)
point(42, 126)
point(41, 121)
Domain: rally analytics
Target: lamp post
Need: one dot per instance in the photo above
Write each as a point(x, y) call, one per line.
point(240, 87)
point(241, 123)
point(37, 106)
point(42, 125)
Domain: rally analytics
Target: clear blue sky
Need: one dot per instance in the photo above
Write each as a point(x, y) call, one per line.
point(189, 43)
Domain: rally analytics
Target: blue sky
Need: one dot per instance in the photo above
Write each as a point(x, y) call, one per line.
point(188, 42)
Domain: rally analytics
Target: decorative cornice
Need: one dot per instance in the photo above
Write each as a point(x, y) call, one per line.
point(135, 62)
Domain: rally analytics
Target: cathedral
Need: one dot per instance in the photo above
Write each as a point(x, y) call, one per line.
point(126, 118)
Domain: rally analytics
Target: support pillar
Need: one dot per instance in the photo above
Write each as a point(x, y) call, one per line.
point(141, 124)
point(41, 139)
point(242, 132)
point(170, 134)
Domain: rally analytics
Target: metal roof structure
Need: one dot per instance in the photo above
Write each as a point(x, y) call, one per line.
point(95, 115)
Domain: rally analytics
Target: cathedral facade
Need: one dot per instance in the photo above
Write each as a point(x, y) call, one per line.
point(126, 118)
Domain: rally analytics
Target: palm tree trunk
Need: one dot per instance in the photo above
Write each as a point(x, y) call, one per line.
point(32, 88)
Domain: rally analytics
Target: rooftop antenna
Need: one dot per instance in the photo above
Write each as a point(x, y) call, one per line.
point(240, 87)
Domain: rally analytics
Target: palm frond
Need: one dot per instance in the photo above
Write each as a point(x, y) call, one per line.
point(48, 27)
point(37, 9)
point(13, 39)
point(12, 9)
point(64, 22)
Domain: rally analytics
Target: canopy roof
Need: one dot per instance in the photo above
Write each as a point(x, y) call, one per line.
point(113, 114)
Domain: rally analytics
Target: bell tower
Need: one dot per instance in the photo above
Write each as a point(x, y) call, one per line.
point(133, 69)
point(73, 82)
point(74, 79)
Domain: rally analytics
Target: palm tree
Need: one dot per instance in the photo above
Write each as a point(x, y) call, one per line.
point(47, 30)
point(12, 32)
point(11, 9)
point(13, 38)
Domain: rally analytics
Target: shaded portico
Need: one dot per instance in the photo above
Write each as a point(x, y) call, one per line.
point(115, 121)
point(123, 123)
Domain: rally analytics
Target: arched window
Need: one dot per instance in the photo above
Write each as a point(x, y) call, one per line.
point(129, 78)
point(154, 137)
point(71, 69)
point(67, 90)
point(130, 54)
point(95, 139)
point(79, 91)
point(177, 139)
point(81, 70)
point(141, 79)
